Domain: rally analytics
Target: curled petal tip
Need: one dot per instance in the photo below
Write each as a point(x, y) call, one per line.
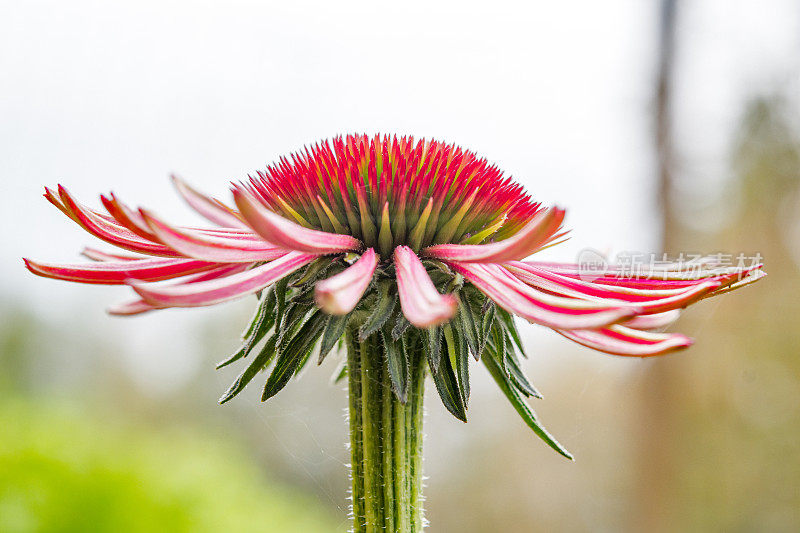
point(339, 294)
point(421, 303)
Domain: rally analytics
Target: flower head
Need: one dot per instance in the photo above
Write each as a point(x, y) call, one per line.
point(418, 241)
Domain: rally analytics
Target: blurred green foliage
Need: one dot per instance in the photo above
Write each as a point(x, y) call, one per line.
point(62, 470)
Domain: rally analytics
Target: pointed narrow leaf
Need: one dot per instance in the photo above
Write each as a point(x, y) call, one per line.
point(467, 328)
point(296, 351)
point(383, 310)
point(260, 361)
point(447, 386)
point(517, 375)
point(397, 364)
point(261, 324)
point(508, 321)
point(400, 326)
point(458, 354)
point(524, 410)
point(334, 330)
point(433, 337)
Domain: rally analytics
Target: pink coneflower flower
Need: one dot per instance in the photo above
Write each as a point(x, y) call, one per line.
point(417, 247)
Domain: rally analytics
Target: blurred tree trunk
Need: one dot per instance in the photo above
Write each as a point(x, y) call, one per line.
point(660, 384)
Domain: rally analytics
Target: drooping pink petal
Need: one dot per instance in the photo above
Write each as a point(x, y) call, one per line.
point(421, 303)
point(116, 272)
point(649, 301)
point(654, 321)
point(208, 207)
point(666, 278)
point(220, 248)
point(526, 241)
point(133, 307)
point(99, 255)
point(620, 340)
point(221, 289)
point(127, 217)
point(539, 307)
point(110, 231)
point(286, 234)
point(139, 306)
point(339, 294)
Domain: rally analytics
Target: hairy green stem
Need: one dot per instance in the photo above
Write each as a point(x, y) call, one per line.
point(385, 440)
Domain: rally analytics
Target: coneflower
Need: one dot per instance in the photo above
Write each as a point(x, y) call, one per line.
point(406, 255)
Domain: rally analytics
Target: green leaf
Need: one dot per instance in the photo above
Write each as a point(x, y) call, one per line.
point(524, 410)
point(383, 310)
point(447, 386)
point(295, 353)
point(458, 354)
point(261, 324)
point(401, 324)
point(314, 270)
point(465, 325)
point(257, 364)
point(397, 363)
point(433, 338)
point(517, 375)
point(499, 345)
point(334, 329)
point(508, 322)
point(266, 305)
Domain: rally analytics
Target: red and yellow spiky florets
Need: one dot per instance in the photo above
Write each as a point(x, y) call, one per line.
point(393, 191)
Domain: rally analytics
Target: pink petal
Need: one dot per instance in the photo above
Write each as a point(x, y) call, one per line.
point(654, 321)
point(127, 217)
point(539, 307)
point(98, 255)
point(224, 288)
point(619, 340)
point(139, 306)
point(134, 307)
point(652, 301)
point(220, 249)
point(526, 241)
point(339, 294)
point(286, 234)
point(421, 303)
point(109, 231)
point(210, 208)
point(116, 272)
point(676, 277)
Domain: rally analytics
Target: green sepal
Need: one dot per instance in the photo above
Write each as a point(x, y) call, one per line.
point(458, 354)
point(524, 410)
point(266, 304)
point(508, 322)
point(257, 364)
point(334, 329)
point(384, 307)
point(261, 324)
point(401, 324)
point(294, 353)
point(518, 377)
point(397, 364)
point(447, 386)
point(465, 324)
point(314, 270)
point(433, 339)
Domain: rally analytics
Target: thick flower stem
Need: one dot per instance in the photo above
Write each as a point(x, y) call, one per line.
point(385, 440)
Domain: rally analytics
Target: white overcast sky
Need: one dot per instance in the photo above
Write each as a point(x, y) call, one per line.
point(106, 96)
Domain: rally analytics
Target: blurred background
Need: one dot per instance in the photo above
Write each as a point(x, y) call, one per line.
point(660, 125)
